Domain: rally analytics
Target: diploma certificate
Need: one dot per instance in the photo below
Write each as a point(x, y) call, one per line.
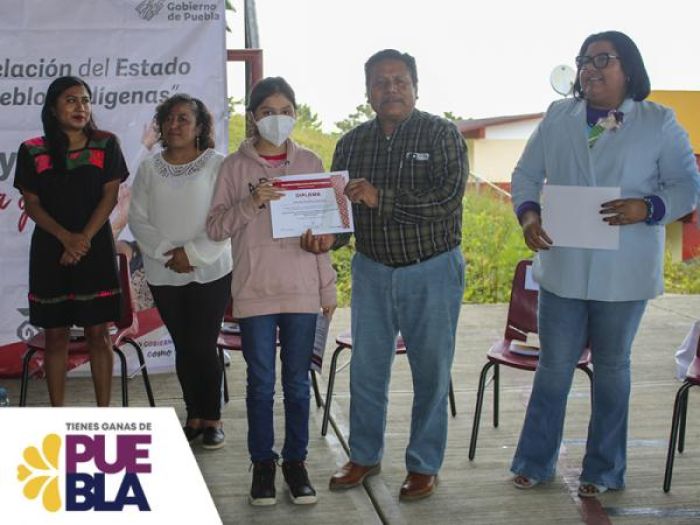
point(313, 202)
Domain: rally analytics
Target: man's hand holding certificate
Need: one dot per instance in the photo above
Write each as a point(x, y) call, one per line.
point(313, 202)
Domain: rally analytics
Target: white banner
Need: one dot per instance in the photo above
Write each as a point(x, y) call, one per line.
point(133, 54)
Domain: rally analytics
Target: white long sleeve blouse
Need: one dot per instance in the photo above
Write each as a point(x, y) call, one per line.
point(169, 207)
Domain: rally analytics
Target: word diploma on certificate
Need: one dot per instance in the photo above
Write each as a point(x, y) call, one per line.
point(313, 202)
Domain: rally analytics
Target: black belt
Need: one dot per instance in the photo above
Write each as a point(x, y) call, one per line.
point(410, 263)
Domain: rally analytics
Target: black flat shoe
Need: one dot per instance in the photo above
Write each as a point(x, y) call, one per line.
point(213, 438)
point(192, 433)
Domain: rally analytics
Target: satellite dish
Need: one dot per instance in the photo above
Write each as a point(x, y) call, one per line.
point(562, 80)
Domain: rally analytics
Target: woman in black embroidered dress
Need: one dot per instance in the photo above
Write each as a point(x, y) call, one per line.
point(69, 179)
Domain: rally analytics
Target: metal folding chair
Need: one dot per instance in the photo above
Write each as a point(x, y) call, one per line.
point(522, 320)
point(127, 332)
point(680, 409)
point(344, 342)
point(232, 342)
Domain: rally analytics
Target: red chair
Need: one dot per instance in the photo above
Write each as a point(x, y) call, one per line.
point(126, 333)
point(680, 409)
point(344, 342)
point(232, 342)
point(522, 320)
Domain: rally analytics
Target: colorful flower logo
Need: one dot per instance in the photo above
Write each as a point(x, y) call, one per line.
point(40, 472)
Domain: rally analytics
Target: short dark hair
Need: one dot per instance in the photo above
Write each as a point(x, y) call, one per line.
point(638, 85)
point(202, 115)
point(55, 136)
point(267, 87)
point(391, 54)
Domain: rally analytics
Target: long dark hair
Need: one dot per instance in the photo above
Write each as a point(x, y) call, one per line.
point(638, 85)
point(56, 138)
point(202, 115)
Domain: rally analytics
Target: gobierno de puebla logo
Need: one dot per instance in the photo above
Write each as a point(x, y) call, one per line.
point(87, 472)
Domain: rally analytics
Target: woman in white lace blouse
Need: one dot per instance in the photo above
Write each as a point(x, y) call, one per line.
point(188, 273)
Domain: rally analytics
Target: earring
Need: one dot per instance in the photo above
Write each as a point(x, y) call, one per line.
point(196, 142)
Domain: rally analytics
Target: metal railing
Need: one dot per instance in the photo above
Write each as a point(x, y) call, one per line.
point(481, 183)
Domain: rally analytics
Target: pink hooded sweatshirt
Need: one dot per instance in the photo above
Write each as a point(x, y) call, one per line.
point(270, 276)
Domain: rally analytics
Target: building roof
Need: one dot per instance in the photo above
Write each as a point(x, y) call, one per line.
point(474, 128)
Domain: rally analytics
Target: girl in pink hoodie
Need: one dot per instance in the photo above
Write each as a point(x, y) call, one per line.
point(276, 286)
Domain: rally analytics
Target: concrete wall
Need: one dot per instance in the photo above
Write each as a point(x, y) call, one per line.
point(686, 104)
point(494, 157)
point(514, 130)
point(494, 160)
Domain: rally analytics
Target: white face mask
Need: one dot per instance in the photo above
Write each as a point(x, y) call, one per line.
point(276, 128)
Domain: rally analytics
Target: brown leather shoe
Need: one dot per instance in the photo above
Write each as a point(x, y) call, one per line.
point(351, 475)
point(418, 486)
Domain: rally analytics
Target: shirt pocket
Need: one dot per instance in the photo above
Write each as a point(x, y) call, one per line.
point(416, 171)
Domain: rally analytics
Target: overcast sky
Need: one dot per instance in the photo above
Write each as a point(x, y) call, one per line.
point(475, 58)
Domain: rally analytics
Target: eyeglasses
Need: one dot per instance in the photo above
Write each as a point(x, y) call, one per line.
point(600, 61)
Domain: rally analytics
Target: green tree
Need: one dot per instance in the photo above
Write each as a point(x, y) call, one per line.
point(451, 116)
point(233, 102)
point(236, 131)
point(306, 118)
point(363, 113)
point(229, 7)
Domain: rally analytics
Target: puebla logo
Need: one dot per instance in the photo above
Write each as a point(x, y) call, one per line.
point(149, 8)
point(82, 473)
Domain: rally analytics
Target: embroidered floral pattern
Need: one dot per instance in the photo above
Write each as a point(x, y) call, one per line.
point(36, 142)
point(73, 297)
point(92, 154)
point(94, 157)
point(166, 169)
point(42, 162)
point(97, 158)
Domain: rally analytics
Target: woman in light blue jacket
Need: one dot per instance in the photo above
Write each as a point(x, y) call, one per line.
point(606, 136)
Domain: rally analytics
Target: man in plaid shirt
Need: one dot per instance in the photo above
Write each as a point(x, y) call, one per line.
point(408, 171)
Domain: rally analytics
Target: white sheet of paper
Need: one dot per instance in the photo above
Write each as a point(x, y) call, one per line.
point(530, 283)
point(313, 202)
point(571, 216)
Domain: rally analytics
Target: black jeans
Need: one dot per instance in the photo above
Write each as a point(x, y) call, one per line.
point(192, 314)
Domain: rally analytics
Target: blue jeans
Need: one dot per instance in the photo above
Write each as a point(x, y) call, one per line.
point(422, 301)
point(258, 338)
point(565, 326)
